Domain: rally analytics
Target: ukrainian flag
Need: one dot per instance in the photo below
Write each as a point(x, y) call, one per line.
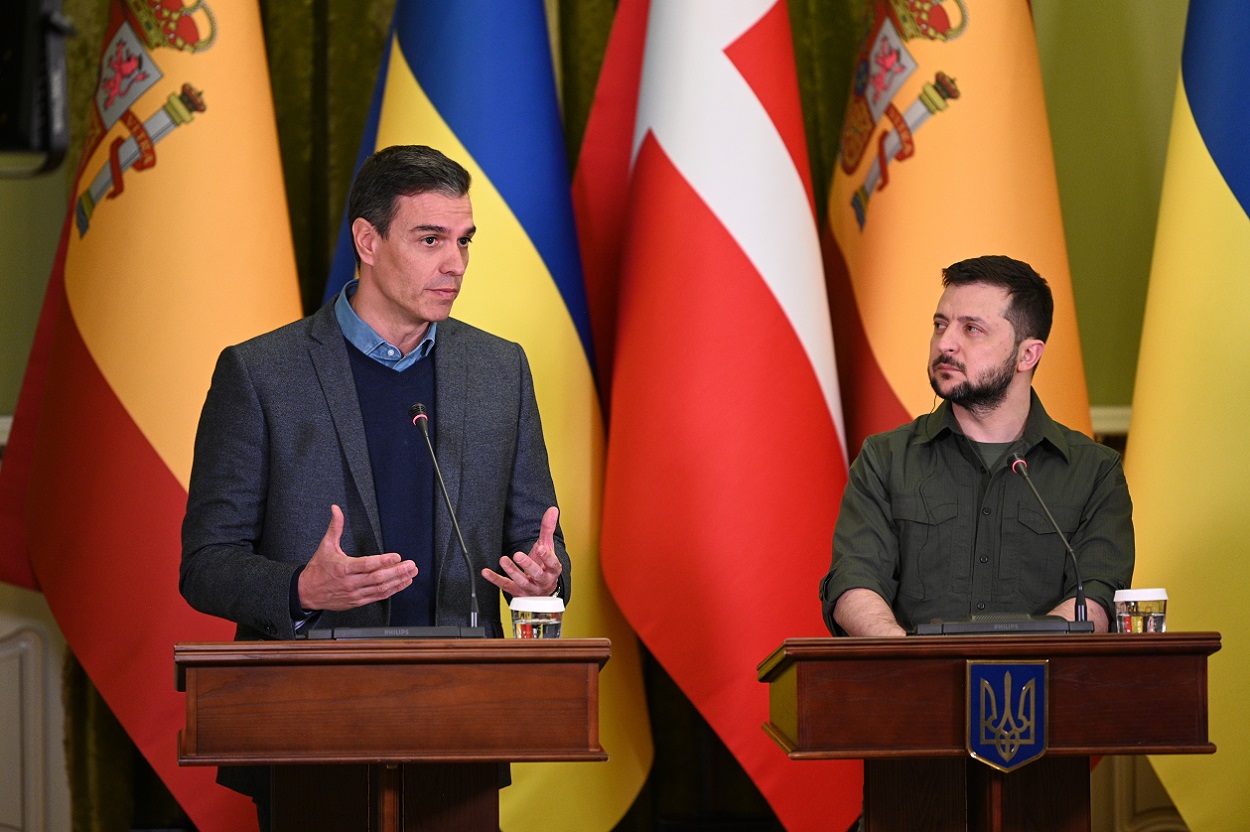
point(1186, 461)
point(474, 78)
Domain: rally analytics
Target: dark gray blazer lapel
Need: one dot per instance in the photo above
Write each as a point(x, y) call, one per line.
point(451, 366)
point(328, 351)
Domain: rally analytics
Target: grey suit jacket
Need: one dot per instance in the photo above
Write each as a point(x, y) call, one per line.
point(281, 438)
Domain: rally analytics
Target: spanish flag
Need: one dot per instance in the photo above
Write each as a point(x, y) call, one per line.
point(176, 245)
point(725, 456)
point(945, 155)
point(475, 79)
point(1185, 462)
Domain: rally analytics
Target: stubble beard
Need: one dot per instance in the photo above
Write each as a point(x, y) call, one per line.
point(981, 396)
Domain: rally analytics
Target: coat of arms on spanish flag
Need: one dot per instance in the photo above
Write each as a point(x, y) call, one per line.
point(176, 244)
point(945, 154)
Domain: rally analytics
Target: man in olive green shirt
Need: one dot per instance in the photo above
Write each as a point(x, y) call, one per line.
point(935, 524)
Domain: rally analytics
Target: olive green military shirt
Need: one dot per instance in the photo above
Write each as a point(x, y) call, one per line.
point(928, 527)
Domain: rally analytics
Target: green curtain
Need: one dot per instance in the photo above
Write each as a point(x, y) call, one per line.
point(99, 756)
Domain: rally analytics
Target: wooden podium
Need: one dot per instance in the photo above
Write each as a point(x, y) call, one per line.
point(390, 735)
point(900, 704)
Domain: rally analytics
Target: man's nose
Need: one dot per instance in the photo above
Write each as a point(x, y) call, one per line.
point(456, 262)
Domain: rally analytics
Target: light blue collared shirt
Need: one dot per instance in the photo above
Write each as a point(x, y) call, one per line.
point(363, 338)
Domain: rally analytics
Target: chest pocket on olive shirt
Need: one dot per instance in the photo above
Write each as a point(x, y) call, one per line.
point(927, 531)
point(1034, 556)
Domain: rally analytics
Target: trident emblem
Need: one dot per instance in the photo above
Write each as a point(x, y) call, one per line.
point(1006, 712)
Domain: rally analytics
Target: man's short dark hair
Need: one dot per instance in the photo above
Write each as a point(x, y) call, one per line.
point(1031, 309)
point(401, 170)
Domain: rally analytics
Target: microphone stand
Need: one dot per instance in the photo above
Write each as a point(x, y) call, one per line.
point(420, 418)
point(1019, 466)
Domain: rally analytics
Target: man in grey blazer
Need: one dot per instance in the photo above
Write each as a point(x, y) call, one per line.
point(312, 501)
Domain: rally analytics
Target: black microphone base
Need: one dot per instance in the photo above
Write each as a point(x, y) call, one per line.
point(443, 631)
point(1004, 625)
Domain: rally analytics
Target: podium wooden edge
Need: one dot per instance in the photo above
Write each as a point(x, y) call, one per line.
point(582, 658)
point(782, 670)
point(592, 756)
point(385, 651)
point(1007, 645)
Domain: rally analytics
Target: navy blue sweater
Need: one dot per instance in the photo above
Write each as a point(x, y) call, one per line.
point(403, 476)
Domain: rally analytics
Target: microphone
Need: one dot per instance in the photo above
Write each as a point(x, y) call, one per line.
point(421, 418)
point(1019, 466)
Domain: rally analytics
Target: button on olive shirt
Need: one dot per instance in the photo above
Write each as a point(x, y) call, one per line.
point(927, 526)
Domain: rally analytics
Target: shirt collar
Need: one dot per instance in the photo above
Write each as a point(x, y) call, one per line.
point(363, 337)
point(1038, 426)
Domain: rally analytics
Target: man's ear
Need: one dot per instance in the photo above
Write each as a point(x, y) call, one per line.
point(365, 237)
point(1029, 353)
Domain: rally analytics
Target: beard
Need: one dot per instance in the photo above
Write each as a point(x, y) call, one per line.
point(982, 395)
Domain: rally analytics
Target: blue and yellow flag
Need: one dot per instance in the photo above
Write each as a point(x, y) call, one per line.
point(1185, 462)
point(475, 79)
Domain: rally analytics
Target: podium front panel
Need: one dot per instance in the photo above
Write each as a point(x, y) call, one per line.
point(905, 697)
point(391, 701)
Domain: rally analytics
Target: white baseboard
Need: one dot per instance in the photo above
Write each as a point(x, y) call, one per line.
point(1111, 419)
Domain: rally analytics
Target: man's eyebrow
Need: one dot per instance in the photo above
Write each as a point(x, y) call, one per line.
point(442, 229)
point(972, 319)
point(966, 319)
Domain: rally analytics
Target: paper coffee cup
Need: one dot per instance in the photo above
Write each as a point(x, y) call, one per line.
point(1141, 610)
point(537, 617)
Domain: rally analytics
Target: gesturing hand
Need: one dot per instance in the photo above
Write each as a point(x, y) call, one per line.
point(537, 572)
point(334, 581)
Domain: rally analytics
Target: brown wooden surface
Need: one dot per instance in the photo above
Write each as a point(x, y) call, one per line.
point(325, 797)
point(949, 794)
point(1048, 795)
point(870, 697)
point(389, 701)
point(900, 704)
point(450, 798)
point(392, 735)
point(414, 797)
point(935, 791)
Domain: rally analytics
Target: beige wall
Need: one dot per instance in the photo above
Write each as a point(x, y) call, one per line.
point(31, 213)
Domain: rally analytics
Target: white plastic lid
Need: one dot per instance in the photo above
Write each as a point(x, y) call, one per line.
point(538, 603)
point(1141, 595)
